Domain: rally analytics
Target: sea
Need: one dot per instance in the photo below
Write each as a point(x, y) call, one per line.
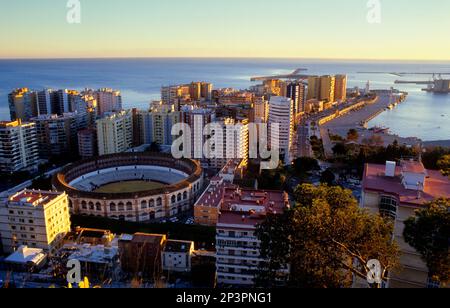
point(423, 115)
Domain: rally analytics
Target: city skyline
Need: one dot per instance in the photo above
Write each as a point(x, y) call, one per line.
point(211, 29)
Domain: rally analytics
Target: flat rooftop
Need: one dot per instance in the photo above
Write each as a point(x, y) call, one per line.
point(33, 198)
point(248, 207)
point(436, 185)
point(178, 246)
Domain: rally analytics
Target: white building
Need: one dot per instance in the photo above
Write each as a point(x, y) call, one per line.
point(281, 111)
point(177, 256)
point(115, 133)
point(234, 145)
point(37, 219)
point(18, 146)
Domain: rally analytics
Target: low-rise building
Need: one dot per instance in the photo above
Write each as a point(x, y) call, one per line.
point(207, 207)
point(140, 254)
point(38, 219)
point(177, 256)
point(396, 192)
point(26, 259)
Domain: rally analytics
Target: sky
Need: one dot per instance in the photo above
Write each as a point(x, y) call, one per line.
point(408, 30)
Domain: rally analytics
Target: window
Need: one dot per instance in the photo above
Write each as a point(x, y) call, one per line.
point(121, 207)
point(129, 206)
point(185, 195)
point(144, 205)
point(388, 207)
point(173, 199)
point(112, 207)
point(179, 197)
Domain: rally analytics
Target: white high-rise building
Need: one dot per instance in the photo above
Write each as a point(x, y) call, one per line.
point(235, 143)
point(115, 133)
point(37, 219)
point(18, 146)
point(281, 112)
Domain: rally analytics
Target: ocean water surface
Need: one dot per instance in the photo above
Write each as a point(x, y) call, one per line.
point(423, 115)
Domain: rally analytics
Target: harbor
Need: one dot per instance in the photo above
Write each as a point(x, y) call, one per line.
point(359, 119)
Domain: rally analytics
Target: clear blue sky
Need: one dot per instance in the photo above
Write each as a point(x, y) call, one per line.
point(226, 28)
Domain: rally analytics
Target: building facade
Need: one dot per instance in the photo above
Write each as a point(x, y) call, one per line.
point(115, 133)
point(108, 100)
point(37, 219)
point(22, 104)
point(281, 112)
point(87, 143)
point(57, 135)
point(18, 146)
point(177, 256)
point(238, 248)
point(340, 93)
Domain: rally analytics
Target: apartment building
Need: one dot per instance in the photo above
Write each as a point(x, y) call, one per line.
point(57, 134)
point(340, 89)
point(197, 119)
point(18, 146)
point(281, 112)
point(22, 104)
point(207, 207)
point(261, 110)
point(234, 143)
point(108, 100)
point(396, 192)
point(155, 125)
point(296, 91)
point(115, 133)
point(177, 256)
point(37, 219)
point(238, 248)
point(87, 143)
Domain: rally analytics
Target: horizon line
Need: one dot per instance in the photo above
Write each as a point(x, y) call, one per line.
point(226, 57)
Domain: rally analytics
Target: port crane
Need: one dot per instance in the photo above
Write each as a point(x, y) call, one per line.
point(436, 84)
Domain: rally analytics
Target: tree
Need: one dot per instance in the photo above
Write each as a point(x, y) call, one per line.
point(327, 240)
point(328, 177)
point(444, 165)
point(429, 232)
point(432, 156)
point(304, 165)
point(340, 149)
point(352, 135)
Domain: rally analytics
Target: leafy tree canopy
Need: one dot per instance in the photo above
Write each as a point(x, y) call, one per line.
point(429, 233)
point(327, 239)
